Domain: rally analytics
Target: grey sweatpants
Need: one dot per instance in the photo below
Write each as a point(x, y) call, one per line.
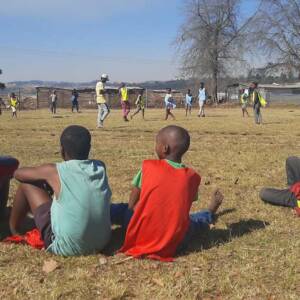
point(257, 114)
point(284, 197)
point(103, 111)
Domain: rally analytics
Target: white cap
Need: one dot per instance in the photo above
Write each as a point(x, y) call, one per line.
point(104, 76)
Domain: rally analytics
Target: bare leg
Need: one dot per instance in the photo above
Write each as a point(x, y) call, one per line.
point(143, 113)
point(202, 111)
point(167, 114)
point(28, 198)
point(135, 113)
point(171, 114)
point(204, 219)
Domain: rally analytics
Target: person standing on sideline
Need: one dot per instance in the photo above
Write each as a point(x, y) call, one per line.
point(140, 105)
point(254, 96)
point(188, 102)
point(1, 104)
point(244, 101)
point(123, 93)
point(202, 100)
point(53, 102)
point(13, 104)
point(74, 100)
point(103, 109)
point(170, 104)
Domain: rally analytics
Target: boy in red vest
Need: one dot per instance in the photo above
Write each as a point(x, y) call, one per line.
point(157, 214)
point(289, 197)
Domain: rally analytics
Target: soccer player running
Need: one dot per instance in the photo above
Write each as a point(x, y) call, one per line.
point(244, 101)
point(123, 93)
point(14, 102)
point(140, 105)
point(103, 109)
point(202, 100)
point(169, 104)
point(188, 102)
point(254, 95)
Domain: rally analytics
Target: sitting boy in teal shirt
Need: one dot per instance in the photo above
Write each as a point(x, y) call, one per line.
point(76, 220)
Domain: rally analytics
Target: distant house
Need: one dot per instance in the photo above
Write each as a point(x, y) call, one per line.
point(274, 93)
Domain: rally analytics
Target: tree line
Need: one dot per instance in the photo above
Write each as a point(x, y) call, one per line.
point(218, 40)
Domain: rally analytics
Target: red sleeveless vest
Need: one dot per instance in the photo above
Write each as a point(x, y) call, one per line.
point(161, 217)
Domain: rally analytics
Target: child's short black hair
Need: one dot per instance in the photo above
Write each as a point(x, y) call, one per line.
point(76, 142)
point(177, 138)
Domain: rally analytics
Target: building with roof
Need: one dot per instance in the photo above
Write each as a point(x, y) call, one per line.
point(273, 93)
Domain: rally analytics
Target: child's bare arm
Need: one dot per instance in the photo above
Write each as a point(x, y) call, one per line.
point(134, 197)
point(47, 172)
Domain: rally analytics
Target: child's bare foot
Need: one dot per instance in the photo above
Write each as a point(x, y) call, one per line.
point(216, 200)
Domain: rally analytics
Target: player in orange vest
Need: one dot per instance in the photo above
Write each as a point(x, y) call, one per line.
point(160, 201)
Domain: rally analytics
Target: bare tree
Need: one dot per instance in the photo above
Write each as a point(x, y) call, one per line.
point(211, 38)
point(277, 31)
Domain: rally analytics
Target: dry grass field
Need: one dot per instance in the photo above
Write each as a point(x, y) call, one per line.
point(252, 253)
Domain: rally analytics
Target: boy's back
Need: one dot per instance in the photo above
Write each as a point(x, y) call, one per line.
point(80, 215)
point(161, 217)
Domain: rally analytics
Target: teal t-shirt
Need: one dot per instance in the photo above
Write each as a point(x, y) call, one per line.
point(80, 216)
point(137, 180)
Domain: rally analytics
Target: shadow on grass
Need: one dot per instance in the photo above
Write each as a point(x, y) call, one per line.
point(215, 237)
point(203, 240)
point(216, 116)
point(272, 123)
point(224, 212)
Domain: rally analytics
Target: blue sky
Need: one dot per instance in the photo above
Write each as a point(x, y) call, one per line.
point(77, 40)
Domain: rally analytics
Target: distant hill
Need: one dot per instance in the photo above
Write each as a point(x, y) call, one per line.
point(28, 87)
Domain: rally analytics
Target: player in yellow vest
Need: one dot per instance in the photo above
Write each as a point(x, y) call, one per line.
point(254, 96)
point(13, 102)
point(244, 101)
point(123, 93)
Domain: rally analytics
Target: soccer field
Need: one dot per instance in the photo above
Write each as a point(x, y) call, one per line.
point(252, 253)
